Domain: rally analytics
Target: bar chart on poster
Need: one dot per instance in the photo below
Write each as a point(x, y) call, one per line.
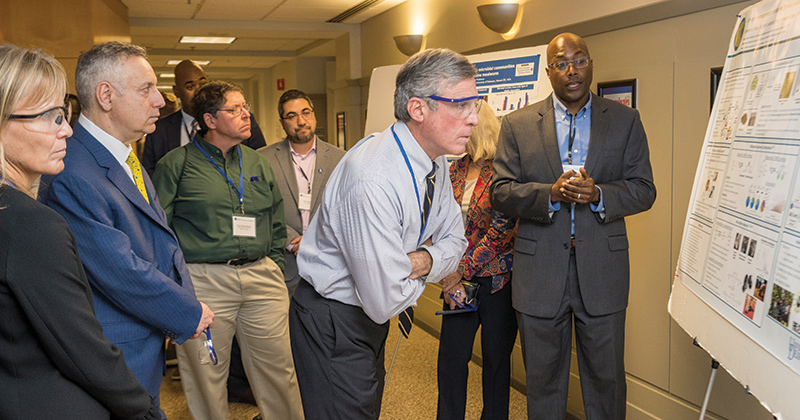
point(737, 286)
point(508, 80)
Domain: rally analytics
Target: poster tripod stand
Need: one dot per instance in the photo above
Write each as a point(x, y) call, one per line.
point(714, 369)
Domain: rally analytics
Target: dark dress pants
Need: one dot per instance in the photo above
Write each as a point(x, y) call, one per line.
point(338, 355)
point(498, 324)
point(547, 349)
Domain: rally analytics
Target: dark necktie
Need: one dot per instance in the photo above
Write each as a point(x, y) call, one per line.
point(430, 184)
point(406, 318)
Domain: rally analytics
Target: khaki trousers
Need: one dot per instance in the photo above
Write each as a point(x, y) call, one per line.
point(250, 301)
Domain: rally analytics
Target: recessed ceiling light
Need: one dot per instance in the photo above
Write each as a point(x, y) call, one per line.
point(198, 62)
point(167, 75)
point(207, 39)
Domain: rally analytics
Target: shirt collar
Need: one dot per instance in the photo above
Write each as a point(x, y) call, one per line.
point(187, 119)
point(118, 149)
point(562, 112)
point(210, 148)
point(310, 151)
point(420, 162)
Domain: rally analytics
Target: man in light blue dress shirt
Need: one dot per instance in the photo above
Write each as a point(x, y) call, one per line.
point(367, 253)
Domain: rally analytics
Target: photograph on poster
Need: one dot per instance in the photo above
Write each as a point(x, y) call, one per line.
point(781, 306)
point(761, 288)
point(749, 307)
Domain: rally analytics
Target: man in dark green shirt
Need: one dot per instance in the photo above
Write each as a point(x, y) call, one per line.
point(222, 201)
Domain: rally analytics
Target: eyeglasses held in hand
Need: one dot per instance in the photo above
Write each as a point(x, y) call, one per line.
point(578, 63)
point(463, 106)
point(207, 355)
point(465, 305)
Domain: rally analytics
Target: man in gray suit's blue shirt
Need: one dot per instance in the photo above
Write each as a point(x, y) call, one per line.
point(571, 167)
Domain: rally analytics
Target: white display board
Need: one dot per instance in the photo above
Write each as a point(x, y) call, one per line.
point(737, 287)
point(509, 80)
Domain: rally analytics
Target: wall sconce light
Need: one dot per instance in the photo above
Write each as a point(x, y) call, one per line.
point(408, 44)
point(499, 17)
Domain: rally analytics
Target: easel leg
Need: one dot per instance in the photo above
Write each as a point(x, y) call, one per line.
point(714, 368)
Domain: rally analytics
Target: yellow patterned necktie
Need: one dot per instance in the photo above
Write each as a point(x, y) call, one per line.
point(136, 168)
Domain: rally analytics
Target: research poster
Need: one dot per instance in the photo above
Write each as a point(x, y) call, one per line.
point(741, 244)
point(508, 80)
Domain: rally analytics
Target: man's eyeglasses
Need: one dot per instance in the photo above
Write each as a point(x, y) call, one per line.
point(463, 106)
point(292, 117)
point(578, 63)
point(46, 121)
point(238, 109)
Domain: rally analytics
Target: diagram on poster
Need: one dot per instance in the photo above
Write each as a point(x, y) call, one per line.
point(511, 82)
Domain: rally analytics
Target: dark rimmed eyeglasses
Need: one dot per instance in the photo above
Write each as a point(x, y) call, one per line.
point(46, 121)
point(292, 116)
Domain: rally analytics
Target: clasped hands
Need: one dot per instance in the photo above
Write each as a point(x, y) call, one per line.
point(575, 187)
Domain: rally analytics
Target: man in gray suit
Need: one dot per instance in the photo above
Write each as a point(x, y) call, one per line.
point(571, 167)
point(302, 164)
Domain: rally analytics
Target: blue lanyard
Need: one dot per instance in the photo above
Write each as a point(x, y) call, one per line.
point(413, 181)
point(239, 190)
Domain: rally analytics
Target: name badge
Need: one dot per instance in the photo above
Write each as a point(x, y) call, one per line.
point(244, 226)
point(305, 202)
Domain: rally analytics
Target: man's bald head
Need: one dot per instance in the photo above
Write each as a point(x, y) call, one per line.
point(189, 76)
point(570, 70)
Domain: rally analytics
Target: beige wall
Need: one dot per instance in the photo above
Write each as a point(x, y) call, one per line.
point(671, 57)
point(63, 29)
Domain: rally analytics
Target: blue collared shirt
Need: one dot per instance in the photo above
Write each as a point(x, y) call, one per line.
point(580, 145)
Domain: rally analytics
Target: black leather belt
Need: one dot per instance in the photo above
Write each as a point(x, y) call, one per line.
point(240, 261)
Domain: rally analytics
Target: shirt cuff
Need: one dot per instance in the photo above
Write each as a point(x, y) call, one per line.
point(552, 207)
point(600, 206)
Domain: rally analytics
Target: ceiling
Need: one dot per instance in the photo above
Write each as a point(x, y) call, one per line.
point(267, 31)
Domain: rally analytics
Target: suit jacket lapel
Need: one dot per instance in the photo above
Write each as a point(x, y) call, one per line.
point(287, 169)
point(547, 125)
point(117, 176)
point(174, 137)
point(597, 135)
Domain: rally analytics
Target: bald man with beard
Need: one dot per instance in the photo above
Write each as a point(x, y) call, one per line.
point(176, 129)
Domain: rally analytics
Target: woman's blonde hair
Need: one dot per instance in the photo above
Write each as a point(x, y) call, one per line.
point(483, 140)
point(27, 77)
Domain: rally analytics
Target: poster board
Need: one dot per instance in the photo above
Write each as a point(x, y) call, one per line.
point(509, 80)
point(737, 285)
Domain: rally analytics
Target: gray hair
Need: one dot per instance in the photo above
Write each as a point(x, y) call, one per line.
point(425, 73)
point(101, 64)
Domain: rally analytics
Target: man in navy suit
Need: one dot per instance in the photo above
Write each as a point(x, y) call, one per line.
point(176, 129)
point(141, 287)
